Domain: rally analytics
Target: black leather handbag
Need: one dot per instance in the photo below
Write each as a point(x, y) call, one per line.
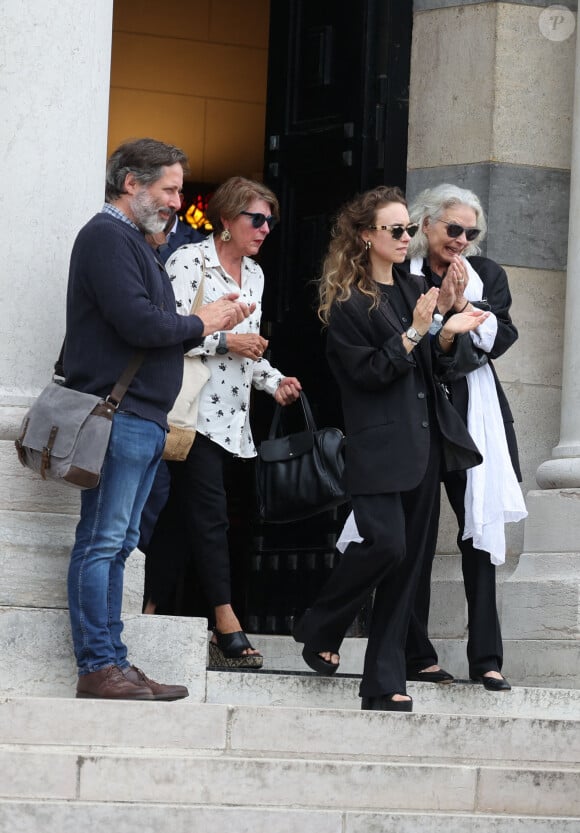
point(300, 474)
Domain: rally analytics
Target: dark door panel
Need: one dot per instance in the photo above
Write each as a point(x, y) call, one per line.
point(336, 124)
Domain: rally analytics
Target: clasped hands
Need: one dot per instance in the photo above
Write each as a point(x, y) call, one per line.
point(224, 313)
point(453, 286)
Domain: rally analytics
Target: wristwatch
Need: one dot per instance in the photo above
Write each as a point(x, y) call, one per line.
point(222, 347)
point(413, 335)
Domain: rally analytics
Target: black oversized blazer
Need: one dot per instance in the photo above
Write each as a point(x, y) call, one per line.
point(384, 394)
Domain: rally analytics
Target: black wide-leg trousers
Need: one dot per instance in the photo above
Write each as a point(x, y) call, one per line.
point(394, 528)
point(484, 644)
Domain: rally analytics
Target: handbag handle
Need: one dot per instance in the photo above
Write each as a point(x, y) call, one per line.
point(306, 410)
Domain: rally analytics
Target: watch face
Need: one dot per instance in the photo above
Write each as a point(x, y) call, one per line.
point(412, 333)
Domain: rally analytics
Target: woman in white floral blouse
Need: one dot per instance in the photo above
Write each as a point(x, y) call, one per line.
point(242, 213)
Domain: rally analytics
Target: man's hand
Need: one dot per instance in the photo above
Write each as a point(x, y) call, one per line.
point(288, 390)
point(223, 314)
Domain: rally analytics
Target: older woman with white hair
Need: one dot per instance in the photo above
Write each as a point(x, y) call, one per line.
point(445, 251)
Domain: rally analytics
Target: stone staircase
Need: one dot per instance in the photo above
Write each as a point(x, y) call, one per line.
point(465, 760)
point(281, 751)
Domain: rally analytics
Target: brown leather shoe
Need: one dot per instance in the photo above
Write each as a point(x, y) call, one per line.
point(111, 684)
point(160, 690)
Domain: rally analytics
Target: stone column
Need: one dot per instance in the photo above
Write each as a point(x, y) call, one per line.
point(490, 103)
point(54, 95)
point(563, 469)
point(543, 597)
point(54, 101)
point(55, 57)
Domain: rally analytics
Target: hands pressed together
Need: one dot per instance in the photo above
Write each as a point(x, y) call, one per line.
point(453, 286)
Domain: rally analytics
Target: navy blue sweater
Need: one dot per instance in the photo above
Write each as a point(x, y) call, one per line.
point(120, 300)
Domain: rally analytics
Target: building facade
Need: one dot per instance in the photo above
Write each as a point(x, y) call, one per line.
point(492, 107)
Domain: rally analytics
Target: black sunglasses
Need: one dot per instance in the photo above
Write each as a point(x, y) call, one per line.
point(398, 230)
point(258, 219)
point(455, 230)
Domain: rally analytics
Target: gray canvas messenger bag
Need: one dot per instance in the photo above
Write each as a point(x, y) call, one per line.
point(65, 434)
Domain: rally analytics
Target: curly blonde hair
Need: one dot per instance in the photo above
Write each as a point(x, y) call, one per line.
point(346, 264)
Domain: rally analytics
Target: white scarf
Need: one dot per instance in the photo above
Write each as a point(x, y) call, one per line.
point(492, 496)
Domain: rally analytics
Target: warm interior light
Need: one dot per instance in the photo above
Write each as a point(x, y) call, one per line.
point(194, 206)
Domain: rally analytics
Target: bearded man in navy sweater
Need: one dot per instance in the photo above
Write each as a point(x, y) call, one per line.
point(120, 301)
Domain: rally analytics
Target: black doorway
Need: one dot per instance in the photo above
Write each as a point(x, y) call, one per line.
point(336, 124)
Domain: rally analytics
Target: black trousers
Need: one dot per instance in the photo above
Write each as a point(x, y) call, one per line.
point(394, 527)
point(199, 492)
point(190, 528)
point(484, 644)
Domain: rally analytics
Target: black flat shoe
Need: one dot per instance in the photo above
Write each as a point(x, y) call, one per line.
point(441, 676)
point(492, 684)
point(385, 703)
point(318, 663)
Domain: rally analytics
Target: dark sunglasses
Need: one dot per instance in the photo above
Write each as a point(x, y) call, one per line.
point(398, 230)
point(258, 219)
point(454, 230)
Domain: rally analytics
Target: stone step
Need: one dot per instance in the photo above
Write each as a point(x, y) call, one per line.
point(186, 728)
point(287, 758)
point(36, 652)
point(292, 783)
point(531, 662)
point(308, 690)
point(122, 817)
point(36, 655)
point(34, 557)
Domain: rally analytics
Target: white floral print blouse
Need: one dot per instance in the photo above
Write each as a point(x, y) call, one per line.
point(224, 403)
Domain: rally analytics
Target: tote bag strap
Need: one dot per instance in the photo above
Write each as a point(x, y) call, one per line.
point(198, 300)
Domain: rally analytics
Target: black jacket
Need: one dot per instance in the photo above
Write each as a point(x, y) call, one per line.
point(386, 394)
point(498, 299)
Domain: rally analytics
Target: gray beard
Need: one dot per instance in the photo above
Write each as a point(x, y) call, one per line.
point(147, 215)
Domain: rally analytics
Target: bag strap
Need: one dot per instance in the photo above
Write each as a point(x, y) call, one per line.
point(125, 379)
point(306, 410)
point(198, 300)
point(121, 385)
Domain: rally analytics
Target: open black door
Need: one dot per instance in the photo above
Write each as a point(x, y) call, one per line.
point(336, 124)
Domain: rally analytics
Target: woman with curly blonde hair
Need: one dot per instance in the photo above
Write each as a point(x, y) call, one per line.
point(400, 431)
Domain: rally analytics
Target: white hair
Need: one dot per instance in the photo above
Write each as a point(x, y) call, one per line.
point(431, 203)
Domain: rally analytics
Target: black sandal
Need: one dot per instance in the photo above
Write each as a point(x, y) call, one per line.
point(319, 664)
point(228, 651)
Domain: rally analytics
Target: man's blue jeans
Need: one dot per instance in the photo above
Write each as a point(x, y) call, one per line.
point(108, 531)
